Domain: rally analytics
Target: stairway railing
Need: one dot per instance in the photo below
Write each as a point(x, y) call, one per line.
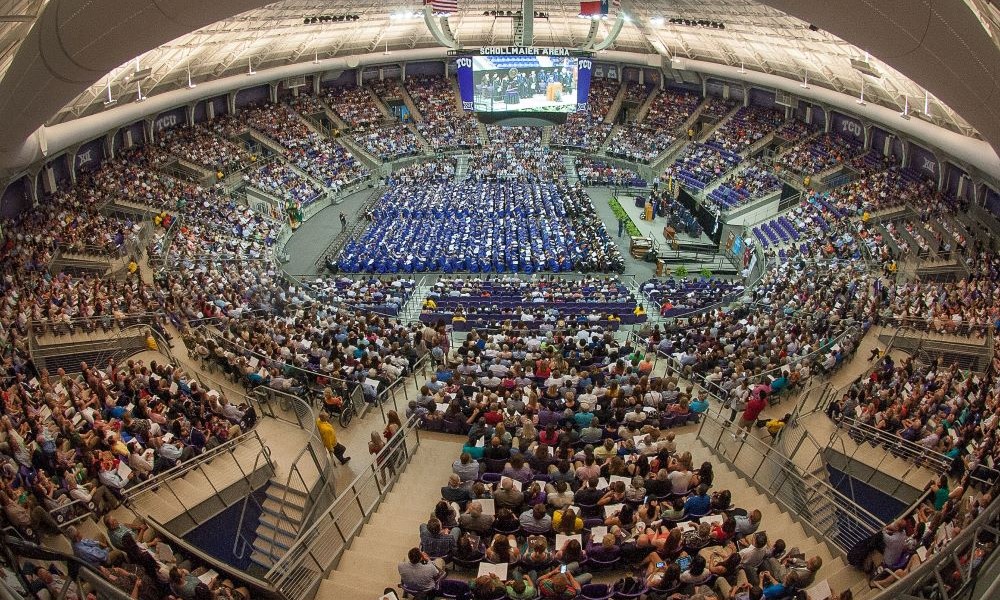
point(905, 449)
point(133, 493)
point(953, 571)
point(829, 514)
point(318, 549)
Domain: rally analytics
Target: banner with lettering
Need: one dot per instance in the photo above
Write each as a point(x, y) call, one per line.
point(923, 160)
point(584, 68)
point(89, 156)
point(846, 126)
point(466, 85)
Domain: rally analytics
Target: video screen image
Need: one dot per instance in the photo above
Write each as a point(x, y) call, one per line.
point(526, 83)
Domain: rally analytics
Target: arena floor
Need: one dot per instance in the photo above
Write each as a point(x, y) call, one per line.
point(310, 240)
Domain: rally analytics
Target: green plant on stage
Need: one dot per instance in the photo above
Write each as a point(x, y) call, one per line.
point(706, 273)
point(681, 271)
point(621, 215)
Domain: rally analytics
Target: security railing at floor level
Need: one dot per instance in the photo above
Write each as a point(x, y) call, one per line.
point(318, 549)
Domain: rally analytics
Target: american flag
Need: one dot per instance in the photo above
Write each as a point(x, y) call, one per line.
point(443, 7)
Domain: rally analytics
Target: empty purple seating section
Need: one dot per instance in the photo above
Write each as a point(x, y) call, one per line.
point(753, 182)
point(676, 297)
point(702, 164)
point(805, 221)
point(487, 304)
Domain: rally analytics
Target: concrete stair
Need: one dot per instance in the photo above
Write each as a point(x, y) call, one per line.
point(368, 566)
point(425, 147)
point(409, 103)
point(616, 104)
point(668, 156)
point(186, 501)
point(778, 523)
point(569, 163)
point(607, 141)
point(546, 136)
point(382, 108)
point(461, 167)
point(359, 152)
point(640, 115)
point(279, 523)
point(708, 133)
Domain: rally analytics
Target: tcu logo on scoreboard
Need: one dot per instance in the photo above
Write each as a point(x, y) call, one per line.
point(166, 122)
point(464, 63)
point(852, 128)
point(585, 63)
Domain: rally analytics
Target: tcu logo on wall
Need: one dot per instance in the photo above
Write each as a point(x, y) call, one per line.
point(928, 164)
point(166, 122)
point(84, 158)
point(852, 128)
point(585, 63)
point(467, 105)
point(464, 63)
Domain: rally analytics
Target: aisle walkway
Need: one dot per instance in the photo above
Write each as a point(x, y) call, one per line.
point(369, 565)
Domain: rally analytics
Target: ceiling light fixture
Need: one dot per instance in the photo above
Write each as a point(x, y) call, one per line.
point(250, 70)
point(139, 97)
point(656, 21)
point(110, 101)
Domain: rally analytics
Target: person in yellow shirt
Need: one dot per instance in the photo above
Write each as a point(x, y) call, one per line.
point(329, 437)
point(639, 310)
point(774, 426)
point(566, 521)
point(430, 304)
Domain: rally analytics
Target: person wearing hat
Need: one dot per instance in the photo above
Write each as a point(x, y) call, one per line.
point(329, 437)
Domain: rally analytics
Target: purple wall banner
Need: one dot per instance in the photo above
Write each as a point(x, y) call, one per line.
point(846, 126)
point(170, 119)
point(90, 155)
point(759, 97)
point(466, 85)
point(254, 95)
point(923, 160)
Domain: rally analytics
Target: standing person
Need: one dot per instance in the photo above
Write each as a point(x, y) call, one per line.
point(754, 407)
point(329, 437)
point(343, 221)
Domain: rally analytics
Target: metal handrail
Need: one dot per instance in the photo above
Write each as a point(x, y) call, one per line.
point(132, 493)
point(291, 575)
point(935, 461)
point(931, 578)
point(850, 516)
point(263, 357)
point(82, 569)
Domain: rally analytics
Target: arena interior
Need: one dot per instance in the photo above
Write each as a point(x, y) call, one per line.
point(500, 300)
